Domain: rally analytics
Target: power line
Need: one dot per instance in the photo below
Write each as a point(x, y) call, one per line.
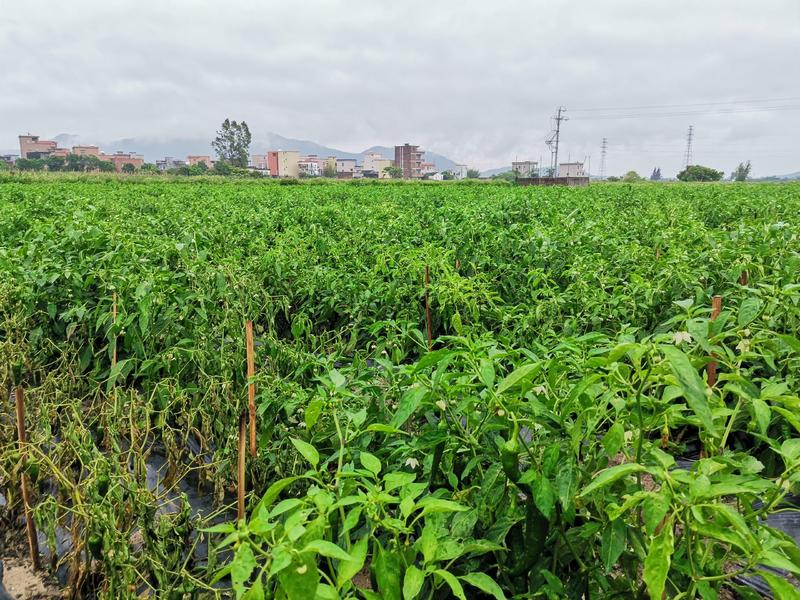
point(685, 105)
point(686, 113)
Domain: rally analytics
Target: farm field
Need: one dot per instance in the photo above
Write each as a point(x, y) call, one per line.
point(578, 425)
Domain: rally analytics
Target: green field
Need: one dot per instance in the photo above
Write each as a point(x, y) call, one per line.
point(528, 451)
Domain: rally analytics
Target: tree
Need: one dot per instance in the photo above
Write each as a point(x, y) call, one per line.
point(329, 171)
point(632, 177)
point(656, 175)
point(742, 172)
point(149, 168)
point(30, 164)
point(200, 168)
point(222, 168)
point(700, 173)
point(75, 163)
point(232, 143)
point(473, 173)
point(128, 168)
point(507, 176)
point(54, 163)
point(393, 171)
point(612, 178)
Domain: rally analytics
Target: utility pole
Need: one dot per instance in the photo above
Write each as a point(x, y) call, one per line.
point(603, 152)
point(689, 138)
point(553, 140)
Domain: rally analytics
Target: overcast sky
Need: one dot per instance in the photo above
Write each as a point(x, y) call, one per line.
point(477, 81)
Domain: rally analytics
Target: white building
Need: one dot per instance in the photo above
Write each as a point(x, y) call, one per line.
point(460, 172)
point(310, 168)
point(571, 169)
point(436, 177)
point(345, 165)
point(372, 160)
point(525, 168)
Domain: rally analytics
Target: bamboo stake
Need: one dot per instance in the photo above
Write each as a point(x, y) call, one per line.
point(30, 526)
point(251, 388)
point(241, 481)
point(428, 308)
point(711, 369)
point(458, 264)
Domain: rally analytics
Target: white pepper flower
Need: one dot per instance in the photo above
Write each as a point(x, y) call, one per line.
point(680, 337)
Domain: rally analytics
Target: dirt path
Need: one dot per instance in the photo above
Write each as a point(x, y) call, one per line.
point(23, 583)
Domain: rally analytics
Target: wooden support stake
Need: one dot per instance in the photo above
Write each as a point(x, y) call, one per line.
point(711, 369)
point(743, 278)
point(242, 456)
point(30, 526)
point(458, 264)
point(251, 388)
point(114, 316)
point(428, 308)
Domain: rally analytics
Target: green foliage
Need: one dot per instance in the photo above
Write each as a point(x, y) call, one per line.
point(506, 176)
point(742, 172)
point(632, 177)
point(394, 171)
point(128, 168)
point(700, 173)
point(232, 143)
point(530, 453)
point(30, 164)
point(473, 173)
point(54, 163)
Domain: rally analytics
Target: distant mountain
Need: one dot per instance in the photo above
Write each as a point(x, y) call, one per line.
point(274, 141)
point(154, 149)
point(497, 171)
point(180, 148)
point(795, 175)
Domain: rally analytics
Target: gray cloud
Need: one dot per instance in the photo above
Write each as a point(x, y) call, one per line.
point(476, 81)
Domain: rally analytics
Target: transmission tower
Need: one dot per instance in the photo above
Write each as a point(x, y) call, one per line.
point(603, 152)
point(553, 139)
point(689, 138)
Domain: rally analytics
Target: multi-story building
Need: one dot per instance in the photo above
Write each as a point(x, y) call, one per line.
point(86, 151)
point(375, 166)
point(345, 165)
point(309, 166)
point(196, 159)
point(30, 146)
point(259, 162)
point(120, 159)
point(167, 163)
point(427, 169)
point(9, 159)
point(327, 165)
point(409, 159)
point(571, 169)
point(373, 162)
point(460, 172)
point(283, 163)
point(525, 168)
